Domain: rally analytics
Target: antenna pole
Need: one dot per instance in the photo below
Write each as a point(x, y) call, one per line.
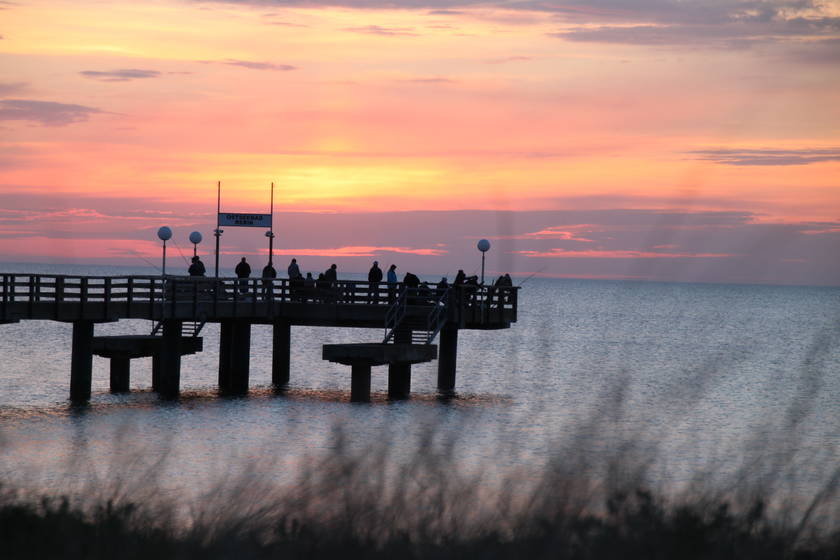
point(271, 229)
point(217, 232)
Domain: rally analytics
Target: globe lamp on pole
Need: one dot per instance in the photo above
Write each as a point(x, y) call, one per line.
point(483, 246)
point(195, 239)
point(164, 233)
point(270, 235)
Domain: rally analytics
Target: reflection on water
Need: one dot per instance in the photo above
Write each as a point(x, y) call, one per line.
point(695, 375)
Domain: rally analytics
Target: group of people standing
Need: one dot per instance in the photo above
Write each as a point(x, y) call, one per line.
point(328, 279)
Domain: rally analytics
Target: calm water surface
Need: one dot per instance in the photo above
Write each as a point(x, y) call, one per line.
point(697, 374)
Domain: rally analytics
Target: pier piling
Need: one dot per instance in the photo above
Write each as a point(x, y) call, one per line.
point(280, 356)
point(170, 359)
point(240, 358)
point(81, 361)
point(156, 372)
point(447, 358)
point(399, 373)
point(120, 374)
point(225, 341)
point(360, 381)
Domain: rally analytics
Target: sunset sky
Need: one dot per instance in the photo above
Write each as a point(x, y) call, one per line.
point(650, 139)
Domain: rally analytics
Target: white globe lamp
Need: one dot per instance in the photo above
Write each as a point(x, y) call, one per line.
point(164, 234)
point(195, 239)
point(483, 246)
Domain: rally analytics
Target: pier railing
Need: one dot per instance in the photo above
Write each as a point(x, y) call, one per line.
point(61, 297)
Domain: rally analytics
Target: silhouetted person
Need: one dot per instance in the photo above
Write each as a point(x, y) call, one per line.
point(331, 278)
point(460, 278)
point(243, 269)
point(309, 287)
point(243, 272)
point(374, 278)
point(294, 270)
point(505, 294)
point(331, 274)
point(425, 292)
point(268, 274)
point(392, 283)
point(442, 286)
point(322, 287)
point(411, 280)
point(197, 267)
point(411, 283)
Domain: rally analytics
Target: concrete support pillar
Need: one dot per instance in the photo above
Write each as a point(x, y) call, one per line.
point(447, 358)
point(399, 381)
point(399, 374)
point(120, 374)
point(81, 361)
point(170, 359)
point(360, 382)
point(240, 357)
point(280, 353)
point(225, 343)
point(156, 372)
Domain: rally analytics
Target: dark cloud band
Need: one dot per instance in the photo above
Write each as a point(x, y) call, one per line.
point(120, 75)
point(46, 113)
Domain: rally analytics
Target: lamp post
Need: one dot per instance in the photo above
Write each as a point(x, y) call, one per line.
point(483, 246)
point(195, 239)
point(270, 232)
point(270, 235)
point(164, 233)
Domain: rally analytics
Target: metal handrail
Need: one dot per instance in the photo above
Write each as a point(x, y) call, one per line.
point(395, 315)
point(438, 317)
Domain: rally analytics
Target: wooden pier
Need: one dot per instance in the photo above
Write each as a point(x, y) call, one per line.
point(411, 320)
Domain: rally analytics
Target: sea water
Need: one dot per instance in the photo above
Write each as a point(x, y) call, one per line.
point(702, 377)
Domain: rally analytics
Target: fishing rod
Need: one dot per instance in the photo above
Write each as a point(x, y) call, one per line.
point(147, 261)
point(181, 253)
point(531, 276)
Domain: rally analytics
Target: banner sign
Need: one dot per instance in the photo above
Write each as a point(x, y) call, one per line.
point(244, 220)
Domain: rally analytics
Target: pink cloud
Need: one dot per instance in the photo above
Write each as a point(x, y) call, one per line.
point(561, 232)
point(821, 231)
point(594, 254)
point(359, 251)
point(83, 249)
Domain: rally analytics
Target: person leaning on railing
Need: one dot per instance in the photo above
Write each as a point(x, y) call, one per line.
point(374, 278)
point(243, 272)
point(392, 283)
point(268, 276)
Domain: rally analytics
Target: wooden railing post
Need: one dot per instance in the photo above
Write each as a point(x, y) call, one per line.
point(152, 298)
point(107, 297)
point(5, 296)
point(58, 294)
point(83, 295)
point(31, 294)
point(170, 286)
point(236, 287)
point(129, 296)
point(254, 294)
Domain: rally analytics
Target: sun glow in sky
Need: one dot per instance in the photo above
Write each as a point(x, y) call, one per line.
point(697, 141)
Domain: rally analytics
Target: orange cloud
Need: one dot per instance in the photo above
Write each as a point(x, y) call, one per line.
point(566, 254)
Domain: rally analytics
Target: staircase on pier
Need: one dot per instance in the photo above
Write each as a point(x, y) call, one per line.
point(427, 317)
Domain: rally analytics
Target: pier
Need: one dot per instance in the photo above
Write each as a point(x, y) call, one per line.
point(411, 320)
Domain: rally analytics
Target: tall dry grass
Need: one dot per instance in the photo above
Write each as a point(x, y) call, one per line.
point(356, 502)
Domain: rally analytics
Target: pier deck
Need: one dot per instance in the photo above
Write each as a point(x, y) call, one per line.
point(406, 315)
